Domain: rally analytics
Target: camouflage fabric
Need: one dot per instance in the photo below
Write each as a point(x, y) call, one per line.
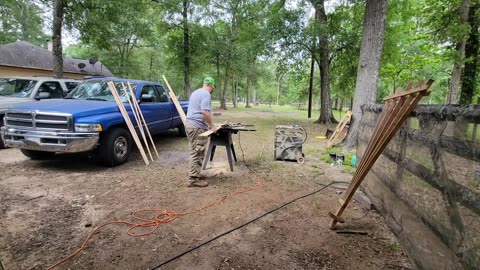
point(197, 151)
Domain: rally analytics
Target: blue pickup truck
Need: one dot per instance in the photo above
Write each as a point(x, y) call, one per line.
point(88, 119)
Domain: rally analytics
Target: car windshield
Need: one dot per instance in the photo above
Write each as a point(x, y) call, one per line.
point(16, 87)
point(99, 90)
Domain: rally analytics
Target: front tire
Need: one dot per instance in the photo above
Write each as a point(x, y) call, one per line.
point(37, 155)
point(115, 147)
point(181, 131)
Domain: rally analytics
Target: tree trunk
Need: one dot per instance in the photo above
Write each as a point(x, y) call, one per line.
point(57, 39)
point(368, 65)
point(455, 81)
point(217, 65)
point(341, 105)
point(231, 44)
point(234, 88)
point(236, 92)
point(310, 86)
point(326, 113)
point(469, 76)
point(249, 84)
point(186, 50)
point(223, 100)
point(25, 16)
point(336, 103)
point(151, 67)
point(278, 90)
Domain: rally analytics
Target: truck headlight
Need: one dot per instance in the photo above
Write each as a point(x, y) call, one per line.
point(88, 127)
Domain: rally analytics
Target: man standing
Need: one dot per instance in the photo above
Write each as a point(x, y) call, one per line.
point(199, 120)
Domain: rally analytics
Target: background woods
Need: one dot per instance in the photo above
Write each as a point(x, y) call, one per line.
point(268, 51)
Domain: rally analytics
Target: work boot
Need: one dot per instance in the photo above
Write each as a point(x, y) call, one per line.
point(198, 183)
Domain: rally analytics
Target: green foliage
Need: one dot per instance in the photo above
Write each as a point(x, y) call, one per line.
point(115, 29)
point(409, 54)
point(393, 246)
point(347, 164)
point(21, 20)
point(269, 41)
point(345, 27)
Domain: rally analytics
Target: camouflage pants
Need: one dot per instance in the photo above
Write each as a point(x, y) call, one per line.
point(197, 150)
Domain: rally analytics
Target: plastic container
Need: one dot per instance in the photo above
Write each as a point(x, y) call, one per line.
point(354, 161)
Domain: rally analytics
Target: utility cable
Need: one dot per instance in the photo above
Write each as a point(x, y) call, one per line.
point(161, 216)
point(164, 216)
point(242, 225)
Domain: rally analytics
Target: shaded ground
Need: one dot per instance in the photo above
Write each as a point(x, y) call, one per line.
point(48, 208)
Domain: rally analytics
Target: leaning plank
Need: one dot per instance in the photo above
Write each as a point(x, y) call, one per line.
point(145, 125)
point(175, 102)
point(117, 98)
point(135, 112)
point(396, 110)
point(339, 128)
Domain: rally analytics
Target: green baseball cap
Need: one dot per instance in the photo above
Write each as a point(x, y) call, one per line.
point(208, 80)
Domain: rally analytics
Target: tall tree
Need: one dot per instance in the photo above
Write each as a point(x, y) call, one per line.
point(21, 20)
point(455, 80)
point(469, 76)
point(312, 72)
point(310, 87)
point(186, 49)
point(57, 52)
point(249, 84)
point(369, 64)
point(173, 8)
point(326, 113)
point(345, 26)
point(100, 24)
point(233, 7)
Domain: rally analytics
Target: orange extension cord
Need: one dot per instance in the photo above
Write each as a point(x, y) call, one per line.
point(163, 216)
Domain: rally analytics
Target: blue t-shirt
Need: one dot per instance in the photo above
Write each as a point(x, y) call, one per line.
point(199, 101)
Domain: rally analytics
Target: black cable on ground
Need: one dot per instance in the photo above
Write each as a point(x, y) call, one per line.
point(241, 226)
point(243, 155)
point(249, 222)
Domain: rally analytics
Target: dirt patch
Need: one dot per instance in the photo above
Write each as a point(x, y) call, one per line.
point(48, 208)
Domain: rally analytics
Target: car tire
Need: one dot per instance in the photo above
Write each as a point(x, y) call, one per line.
point(37, 155)
point(2, 144)
point(115, 147)
point(181, 131)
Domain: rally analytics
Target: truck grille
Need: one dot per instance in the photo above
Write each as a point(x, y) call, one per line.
point(38, 120)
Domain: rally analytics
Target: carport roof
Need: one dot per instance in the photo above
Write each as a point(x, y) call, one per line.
point(26, 55)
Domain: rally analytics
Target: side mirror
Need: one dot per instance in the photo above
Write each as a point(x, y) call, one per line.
point(43, 95)
point(146, 98)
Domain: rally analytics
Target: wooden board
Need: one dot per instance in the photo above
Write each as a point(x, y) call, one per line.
point(126, 117)
point(175, 102)
point(396, 110)
point(338, 130)
point(135, 112)
point(145, 125)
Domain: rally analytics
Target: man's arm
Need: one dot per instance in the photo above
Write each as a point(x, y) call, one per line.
point(208, 118)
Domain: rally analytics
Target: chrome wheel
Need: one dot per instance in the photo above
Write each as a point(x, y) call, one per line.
point(120, 147)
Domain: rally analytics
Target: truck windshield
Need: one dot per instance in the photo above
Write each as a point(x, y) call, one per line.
point(16, 87)
point(99, 90)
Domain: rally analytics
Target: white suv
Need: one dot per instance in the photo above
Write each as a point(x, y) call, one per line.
point(18, 90)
